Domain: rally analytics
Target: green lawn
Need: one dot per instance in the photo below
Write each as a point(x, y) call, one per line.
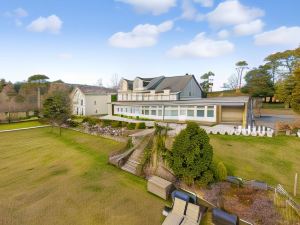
point(47, 179)
point(274, 160)
point(18, 125)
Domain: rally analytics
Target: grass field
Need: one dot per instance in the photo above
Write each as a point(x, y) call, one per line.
point(47, 179)
point(18, 125)
point(274, 160)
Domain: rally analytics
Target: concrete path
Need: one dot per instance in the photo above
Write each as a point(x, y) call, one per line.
point(25, 128)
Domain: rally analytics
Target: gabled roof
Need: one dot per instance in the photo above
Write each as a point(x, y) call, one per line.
point(175, 84)
point(94, 90)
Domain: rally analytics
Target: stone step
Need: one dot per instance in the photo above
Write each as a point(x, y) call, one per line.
point(129, 168)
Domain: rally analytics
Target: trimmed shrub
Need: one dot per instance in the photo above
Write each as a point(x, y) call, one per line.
point(124, 124)
point(141, 125)
point(129, 143)
point(106, 123)
point(191, 155)
point(222, 171)
point(92, 121)
point(131, 126)
point(116, 124)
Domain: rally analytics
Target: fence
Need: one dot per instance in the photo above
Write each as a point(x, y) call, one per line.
point(290, 209)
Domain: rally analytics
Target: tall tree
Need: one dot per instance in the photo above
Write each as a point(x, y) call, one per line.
point(283, 90)
point(284, 62)
point(259, 82)
point(207, 81)
point(296, 91)
point(57, 108)
point(38, 81)
point(241, 66)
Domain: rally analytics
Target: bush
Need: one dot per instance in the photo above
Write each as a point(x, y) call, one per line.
point(131, 126)
point(141, 125)
point(92, 121)
point(116, 124)
point(129, 143)
point(222, 171)
point(106, 123)
point(72, 123)
point(191, 155)
point(205, 179)
point(124, 124)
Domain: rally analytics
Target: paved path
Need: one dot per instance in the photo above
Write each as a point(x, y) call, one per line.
point(25, 128)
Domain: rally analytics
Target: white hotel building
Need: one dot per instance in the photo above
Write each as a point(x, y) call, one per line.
point(178, 98)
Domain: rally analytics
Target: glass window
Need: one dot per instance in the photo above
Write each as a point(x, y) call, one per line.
point(210, 111)
point(159, 112)
point(190, 112)
point(95, 102)
point(147, 112)
point(174, 112)
point(200, 112)
point(153, 112)
point(182, 112)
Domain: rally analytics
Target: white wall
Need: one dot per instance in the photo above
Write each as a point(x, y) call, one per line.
point(180, 113)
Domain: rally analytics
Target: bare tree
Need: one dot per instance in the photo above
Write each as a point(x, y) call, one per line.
point(232, 82)
point(114, 81)
point(99, 82)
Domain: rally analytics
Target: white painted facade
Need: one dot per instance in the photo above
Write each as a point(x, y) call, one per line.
point(89, 104)
point(206, 113)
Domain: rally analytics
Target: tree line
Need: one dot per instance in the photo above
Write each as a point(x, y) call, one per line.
point(278, 77)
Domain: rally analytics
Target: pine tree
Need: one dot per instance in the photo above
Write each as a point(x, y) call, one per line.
point(295, 103)
point(192, 155)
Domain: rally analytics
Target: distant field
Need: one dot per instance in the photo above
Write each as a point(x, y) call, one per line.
point(274, 160)
point(47, 179)
point(18, 125)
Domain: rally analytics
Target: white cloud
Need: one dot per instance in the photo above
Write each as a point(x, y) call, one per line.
point(156, 7)
point(65, 56)
point(223, 34)
point(51, 24)
point(189, 12)
point(202, 47)
point(205, 3)
point(232, 12)
point(143, 35)
point(252, 27)
point(17, 14)
point(289, 36)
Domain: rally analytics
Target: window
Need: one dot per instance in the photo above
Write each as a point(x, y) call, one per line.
point(171, 112)
point(159, 112)
point(95, 103)
point(200, 111)
point(182, 112)
point(210, 111)
point(146, 112)
point(96, 111)
point(153, 112)
point(81, 102)
point(190, 93)
point(190, 112)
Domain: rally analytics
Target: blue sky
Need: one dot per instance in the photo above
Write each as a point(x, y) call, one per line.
point(83, 41)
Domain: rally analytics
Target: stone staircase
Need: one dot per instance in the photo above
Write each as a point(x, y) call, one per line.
point(136, 157)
